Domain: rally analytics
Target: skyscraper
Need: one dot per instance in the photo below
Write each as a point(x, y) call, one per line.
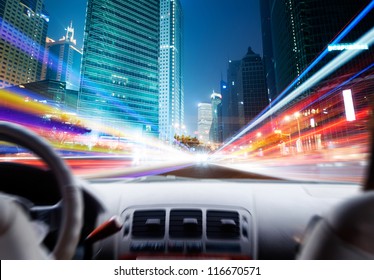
point(301, 30)
point(120, 73)
point(171, 79)
point(230, 114)
point(245, 95)
point(63, 60)
point(267, 48)
point(224, 109)
point(216, 127)
point(204, 121)
point(23, 29)
point(253, 96)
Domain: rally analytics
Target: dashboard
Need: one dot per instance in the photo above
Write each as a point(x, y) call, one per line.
point(210, 218)
point(176, 217)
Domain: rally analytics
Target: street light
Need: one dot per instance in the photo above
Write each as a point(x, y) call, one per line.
point(278, 131)
point(296, 115)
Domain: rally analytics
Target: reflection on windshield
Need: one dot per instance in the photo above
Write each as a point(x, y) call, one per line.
point(316, 129)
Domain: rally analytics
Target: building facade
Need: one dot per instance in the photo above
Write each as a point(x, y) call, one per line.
point(251, 80)
point(267, 48)
point(171, 105)
point(204, 121)
point(224, 108)
point(23, 30)
point(245, 94)
point(230, 107)
point(216, 127)
point(63, 60)
point(54, 93)
point(120, 67)
point(301, 30)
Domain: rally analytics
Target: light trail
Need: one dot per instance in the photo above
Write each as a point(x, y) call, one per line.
point(344, 33)
point(61, 127)
point(343, 84)
point(22, 41)
point(336, 63)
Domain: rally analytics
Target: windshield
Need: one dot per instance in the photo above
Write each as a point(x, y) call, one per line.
point(277, 88)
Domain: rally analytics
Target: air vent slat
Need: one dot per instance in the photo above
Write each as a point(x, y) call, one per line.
point(185, 223)
point(223, 224)
point(148, 224)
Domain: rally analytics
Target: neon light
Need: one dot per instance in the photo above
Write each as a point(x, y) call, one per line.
point(348, 104)
point(343, 47)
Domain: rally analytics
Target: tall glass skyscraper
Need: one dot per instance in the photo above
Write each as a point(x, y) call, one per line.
point(23, 29)
point(120, 73)
point(245, 94)
point(204, 121)
point(171, 78)
point(215, 133)
point(267, 48)
point(301, 30)
point(63, 60)
point(230, 106)
point(253, 96)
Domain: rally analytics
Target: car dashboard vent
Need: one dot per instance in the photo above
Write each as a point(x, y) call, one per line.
point(223, 224)
point(185, 223)
point(148, 224)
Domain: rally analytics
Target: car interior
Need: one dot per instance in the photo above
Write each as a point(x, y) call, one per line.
point(180, 213)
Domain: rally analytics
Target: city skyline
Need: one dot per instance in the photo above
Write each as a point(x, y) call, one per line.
point(213, 34)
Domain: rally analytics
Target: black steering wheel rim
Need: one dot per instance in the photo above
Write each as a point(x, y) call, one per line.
point(72, 202)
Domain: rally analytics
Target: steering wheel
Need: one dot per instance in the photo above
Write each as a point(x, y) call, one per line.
point(17, 238)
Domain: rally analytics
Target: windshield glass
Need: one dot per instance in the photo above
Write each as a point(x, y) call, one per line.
point(278, 88)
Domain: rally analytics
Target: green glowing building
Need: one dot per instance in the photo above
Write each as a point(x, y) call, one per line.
point(120, 67)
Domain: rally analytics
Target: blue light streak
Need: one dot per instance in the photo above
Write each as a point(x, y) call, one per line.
point(348, 29)
point(336, 63)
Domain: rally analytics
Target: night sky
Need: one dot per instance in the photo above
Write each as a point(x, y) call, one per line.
point(214, 32)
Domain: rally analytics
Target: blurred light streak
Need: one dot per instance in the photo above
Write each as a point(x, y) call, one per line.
point(16, 101)
point(345, 31)
point(22, 42)
point(19, 108)
point(336, 63)
point(338, 38)
point(324, 96)
point(334, 125)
